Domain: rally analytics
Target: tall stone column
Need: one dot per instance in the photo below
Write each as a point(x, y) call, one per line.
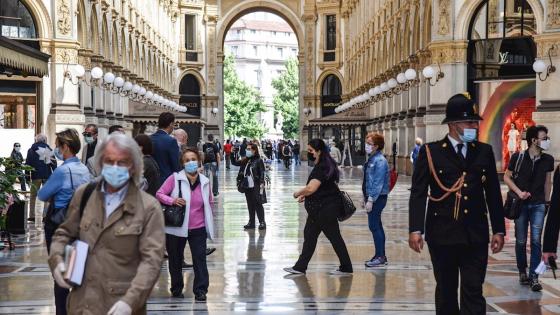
point(548, 99)
point(307, 73)
point(65, 111)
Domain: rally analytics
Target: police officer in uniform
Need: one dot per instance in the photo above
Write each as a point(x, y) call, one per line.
point(458, 176)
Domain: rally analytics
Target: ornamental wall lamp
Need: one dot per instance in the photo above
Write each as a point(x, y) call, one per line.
point(117, 85)
point(539, 66)
point(429, 72)
point(215, 111)
point(307, 111)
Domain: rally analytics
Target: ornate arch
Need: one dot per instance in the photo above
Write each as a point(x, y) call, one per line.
point(427, 33)
point(324, 75)
point(105, 40)
point(82, 25)
point(264, 5)
point(41, 18)
point(198, 77)
point(115, 45)
point(468, 9)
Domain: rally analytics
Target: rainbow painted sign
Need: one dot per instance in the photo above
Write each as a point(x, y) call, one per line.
point(502, 103)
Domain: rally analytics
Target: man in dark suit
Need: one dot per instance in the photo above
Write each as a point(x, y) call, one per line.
point(464, 190)
point(165, 149)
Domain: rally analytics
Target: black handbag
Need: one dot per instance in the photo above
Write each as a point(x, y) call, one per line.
point(243, 183)
point(55, 217)
point(512, 206)
point(348, 208)
point(263, 195)
point(174, 215)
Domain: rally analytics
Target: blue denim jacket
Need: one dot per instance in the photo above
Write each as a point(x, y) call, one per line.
point(376, 172)
point(59, 186)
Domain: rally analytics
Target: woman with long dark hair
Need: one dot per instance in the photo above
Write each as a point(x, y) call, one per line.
point(251, 180)
point(323, 204)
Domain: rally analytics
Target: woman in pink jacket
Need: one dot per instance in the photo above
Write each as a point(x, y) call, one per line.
point(191, 190)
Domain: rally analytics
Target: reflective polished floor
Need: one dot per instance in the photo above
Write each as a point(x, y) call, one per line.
point(246, 273)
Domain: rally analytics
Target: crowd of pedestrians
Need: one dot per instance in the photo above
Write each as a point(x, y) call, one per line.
point(138, 200)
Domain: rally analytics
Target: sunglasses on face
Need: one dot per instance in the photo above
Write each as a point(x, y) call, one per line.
point(17, 146)
point(87, 134)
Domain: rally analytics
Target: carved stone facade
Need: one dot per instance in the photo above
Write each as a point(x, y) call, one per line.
point(144, 42)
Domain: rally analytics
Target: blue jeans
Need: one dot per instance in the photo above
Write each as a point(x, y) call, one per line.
point(533, 213)
point(211, 171)
point(376, 226)
point(297, 161)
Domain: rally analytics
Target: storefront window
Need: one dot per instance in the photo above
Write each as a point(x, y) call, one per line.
point(330, 95)
point(17, 112)
point(16, 21)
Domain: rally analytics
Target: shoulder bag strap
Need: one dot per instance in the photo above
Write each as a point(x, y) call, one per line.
point(518, 164)
point(71, 179)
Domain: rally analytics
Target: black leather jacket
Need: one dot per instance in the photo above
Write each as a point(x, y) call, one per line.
point(256, 167)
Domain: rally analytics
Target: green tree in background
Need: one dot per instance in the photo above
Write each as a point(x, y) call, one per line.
point(242, 103)
point(286, 99)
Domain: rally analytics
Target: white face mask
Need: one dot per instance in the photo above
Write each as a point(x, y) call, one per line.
point(369, 148)
point(544, 144)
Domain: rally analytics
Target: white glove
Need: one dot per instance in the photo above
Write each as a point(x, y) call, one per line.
point(369, 206)
point(120, 308)
point(58, 276)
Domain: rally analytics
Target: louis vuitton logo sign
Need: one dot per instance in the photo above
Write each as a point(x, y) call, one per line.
point(504, 58)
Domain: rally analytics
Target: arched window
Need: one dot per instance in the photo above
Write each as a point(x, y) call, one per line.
point(331, 92)
point(331, 86)
point(503, 19)
point(16, 20)
point(189, 93)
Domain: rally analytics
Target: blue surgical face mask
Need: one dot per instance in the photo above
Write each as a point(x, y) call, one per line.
point(115, 175)
point(249, 154)
point(88, 140)
point(469, 135)
point(191, 167)
point(58, 154)
point(369, 148)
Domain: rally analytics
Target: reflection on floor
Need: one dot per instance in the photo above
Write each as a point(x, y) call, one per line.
point(246, 270)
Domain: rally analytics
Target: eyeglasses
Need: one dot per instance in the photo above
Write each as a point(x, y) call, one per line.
point(17, 146)
point(86, 134)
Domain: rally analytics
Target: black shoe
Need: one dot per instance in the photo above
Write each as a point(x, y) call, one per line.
point(30, 219)
point(201, 297)
point(249, 227)
point(262, 226)
point(523, 279)
point(210, 250)
point(178, 295)
point(187, 266)
point(535, 285)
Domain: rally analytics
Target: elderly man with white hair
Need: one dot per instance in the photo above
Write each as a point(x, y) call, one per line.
point(124, 229)
point(182, 137)
point(41, 158)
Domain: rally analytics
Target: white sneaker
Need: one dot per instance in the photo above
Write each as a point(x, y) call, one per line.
point(293, 271)
point(338, 272)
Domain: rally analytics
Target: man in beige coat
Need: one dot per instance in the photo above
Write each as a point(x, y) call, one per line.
point(124, 229)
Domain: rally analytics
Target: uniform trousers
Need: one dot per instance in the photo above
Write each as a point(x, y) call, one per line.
point(467, 261)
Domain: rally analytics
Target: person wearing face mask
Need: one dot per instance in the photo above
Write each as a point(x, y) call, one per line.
point(18, 158)
point(460, 175)
point(90, 138)
point(190, 189)
point(323, 204)
point(58, 191)
point(375, 188)
point(123, 227)
point(533, 184)
point(251, 180)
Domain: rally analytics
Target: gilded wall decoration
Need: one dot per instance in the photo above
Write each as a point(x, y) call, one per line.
point(64, 22)
point(553, 16)
point(443, 20)
point(448, 52)
point(211, 58)
point(309, 53)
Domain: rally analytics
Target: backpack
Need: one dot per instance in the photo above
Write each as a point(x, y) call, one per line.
point(286, 150)
point(210, 153)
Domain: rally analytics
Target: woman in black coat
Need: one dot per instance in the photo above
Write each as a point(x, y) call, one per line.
point(251, 180)
point(18, 158)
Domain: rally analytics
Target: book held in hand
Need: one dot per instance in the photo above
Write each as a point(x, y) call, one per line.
point(75, 261)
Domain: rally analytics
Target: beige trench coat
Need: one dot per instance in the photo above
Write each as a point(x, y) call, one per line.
point(125, 251)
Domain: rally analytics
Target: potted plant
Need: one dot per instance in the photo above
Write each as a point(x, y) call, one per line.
point(10, 171)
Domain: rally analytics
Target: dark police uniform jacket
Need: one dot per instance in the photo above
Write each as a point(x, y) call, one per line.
point(480, 195)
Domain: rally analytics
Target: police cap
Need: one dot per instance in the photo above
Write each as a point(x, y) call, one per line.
point(461, 107)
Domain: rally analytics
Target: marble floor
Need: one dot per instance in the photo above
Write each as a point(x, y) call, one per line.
point(246, 270)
